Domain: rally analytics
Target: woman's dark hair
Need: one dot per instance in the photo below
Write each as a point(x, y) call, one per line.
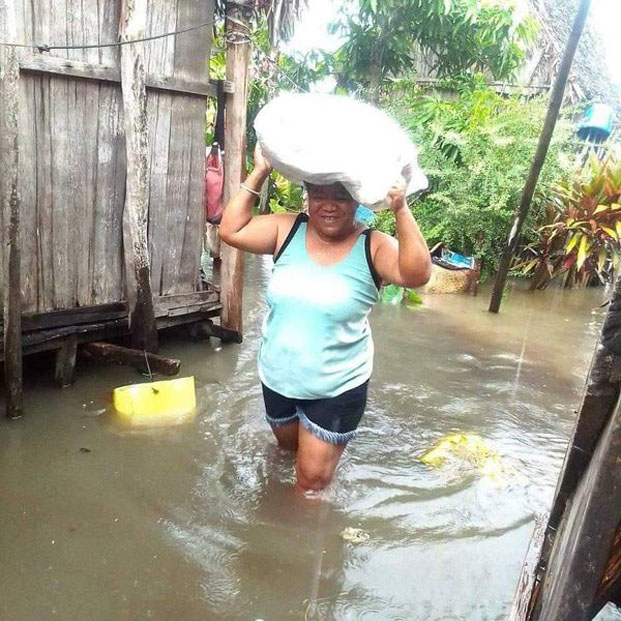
point(338, 189)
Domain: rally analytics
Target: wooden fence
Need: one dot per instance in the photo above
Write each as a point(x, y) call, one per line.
point(72, 166)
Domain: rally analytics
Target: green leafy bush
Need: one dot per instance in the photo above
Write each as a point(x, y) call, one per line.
point(476, 152)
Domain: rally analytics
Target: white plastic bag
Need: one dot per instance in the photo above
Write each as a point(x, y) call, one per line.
point(325, 139)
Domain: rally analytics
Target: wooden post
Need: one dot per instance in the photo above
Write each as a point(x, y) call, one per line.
point(238, 51)
point(65, 362)
point(137, 260)
point(540, 155)
point(9, 204)
point(584, 541)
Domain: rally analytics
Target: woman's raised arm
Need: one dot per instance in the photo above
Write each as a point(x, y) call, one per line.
point(238, 228)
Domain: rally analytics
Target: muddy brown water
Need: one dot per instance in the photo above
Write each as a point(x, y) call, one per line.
point(201, 522)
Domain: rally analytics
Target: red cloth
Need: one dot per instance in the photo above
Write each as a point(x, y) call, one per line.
point(214, 185)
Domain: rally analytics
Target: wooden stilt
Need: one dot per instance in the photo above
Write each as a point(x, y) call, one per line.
point(10, 206)
point(203, 330)
point(65, 362)
point(238, 51)
point(137, 261)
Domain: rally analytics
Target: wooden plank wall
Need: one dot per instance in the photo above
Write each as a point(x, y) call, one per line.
point(72, 160)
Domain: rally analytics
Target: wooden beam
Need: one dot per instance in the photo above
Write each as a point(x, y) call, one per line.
point(237, 55)
point(143, 362)
point(44, 63)
point(32, 322)
point(545, 138)
point(10, 207)
point(136, 248)
point(164, 305)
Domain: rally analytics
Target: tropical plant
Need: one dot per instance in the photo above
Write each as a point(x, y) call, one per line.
point(581, 240)
point(285, 196)
point(476, 152)
point(384, 38)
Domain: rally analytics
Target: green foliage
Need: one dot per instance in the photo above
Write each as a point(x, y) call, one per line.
point(476, 152)
point(394, 294)
point(462, 36)
point(581, 237)
point(385, 222)
point(285, 196)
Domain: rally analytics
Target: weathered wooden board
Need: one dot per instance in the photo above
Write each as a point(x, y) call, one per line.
point(584, 540)
point(72, 129)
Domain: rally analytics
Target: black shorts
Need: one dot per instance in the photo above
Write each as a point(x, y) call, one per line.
point(333, 420)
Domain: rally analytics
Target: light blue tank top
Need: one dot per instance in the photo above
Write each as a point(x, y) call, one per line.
point(316, 337)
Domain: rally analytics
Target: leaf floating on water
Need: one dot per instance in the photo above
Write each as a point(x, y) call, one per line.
point(413, 297)
point(392, 294)
point(354, 535)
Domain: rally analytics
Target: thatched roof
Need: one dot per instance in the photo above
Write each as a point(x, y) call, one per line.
point(589, 79)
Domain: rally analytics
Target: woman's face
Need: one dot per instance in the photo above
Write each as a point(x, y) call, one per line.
point(331, 209)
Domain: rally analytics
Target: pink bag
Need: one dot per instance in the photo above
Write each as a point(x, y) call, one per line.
point(214, 184)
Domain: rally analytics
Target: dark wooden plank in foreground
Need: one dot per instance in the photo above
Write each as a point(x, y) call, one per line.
point(136, 358)
point(584, 541)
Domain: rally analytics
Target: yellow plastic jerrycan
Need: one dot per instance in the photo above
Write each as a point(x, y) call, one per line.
point(156, 404)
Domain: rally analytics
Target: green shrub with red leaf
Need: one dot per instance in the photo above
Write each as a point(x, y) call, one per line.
point(580, 240)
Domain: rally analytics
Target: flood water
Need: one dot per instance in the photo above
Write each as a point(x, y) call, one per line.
point(201, 521)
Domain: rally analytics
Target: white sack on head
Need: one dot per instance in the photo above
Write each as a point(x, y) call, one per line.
point(326, 139)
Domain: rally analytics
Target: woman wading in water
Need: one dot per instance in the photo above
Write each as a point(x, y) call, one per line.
point(316, 354)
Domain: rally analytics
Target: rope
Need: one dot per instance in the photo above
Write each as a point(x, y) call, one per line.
point(47, 48)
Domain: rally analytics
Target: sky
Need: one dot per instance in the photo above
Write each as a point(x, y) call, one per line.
point(311, 32)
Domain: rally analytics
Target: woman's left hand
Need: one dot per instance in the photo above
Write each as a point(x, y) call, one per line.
point(396, 199)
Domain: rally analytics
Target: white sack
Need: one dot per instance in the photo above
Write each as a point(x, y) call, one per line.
point(325, 139)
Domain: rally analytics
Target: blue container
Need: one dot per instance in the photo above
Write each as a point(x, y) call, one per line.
point(365, 215)
point(597, 123)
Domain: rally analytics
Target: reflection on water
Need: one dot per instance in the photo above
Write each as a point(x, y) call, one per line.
point(201, 522)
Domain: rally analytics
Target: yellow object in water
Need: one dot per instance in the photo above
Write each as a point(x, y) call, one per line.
point(156, 404)
point(468, 447)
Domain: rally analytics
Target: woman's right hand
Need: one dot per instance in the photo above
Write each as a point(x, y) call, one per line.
point(261, 163)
